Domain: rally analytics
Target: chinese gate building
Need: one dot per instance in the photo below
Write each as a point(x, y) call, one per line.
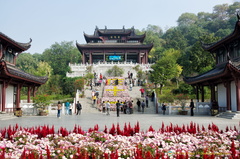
point(114, 45)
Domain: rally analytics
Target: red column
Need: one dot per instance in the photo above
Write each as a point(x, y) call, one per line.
point(18, 96)
point(146, 57)
point(29, 94)
point(4, 86)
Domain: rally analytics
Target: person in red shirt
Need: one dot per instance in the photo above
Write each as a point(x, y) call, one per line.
point(142, 92)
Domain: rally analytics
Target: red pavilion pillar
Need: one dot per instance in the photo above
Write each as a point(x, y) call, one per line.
point(29, 94)
point(18, 96)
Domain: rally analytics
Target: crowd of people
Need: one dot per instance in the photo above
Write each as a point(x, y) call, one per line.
point(118, 106)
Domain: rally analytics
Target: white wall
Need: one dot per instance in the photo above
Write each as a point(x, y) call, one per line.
point(222, 102)
point(9, 96)
point(233, 97)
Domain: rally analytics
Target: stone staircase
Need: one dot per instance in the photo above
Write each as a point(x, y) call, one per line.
point(7, 116)
point(87, 106)
point(229, 115)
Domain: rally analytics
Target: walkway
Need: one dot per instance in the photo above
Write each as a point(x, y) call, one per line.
point(91, 116)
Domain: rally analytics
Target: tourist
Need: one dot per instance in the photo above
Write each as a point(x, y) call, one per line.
point(192, 107)
point(131, 75)
point(143, 106)
point(130, 105)
point(67, 104)
point(130, 87)
point(94, 99)
point(164, 108)
point(70, 109)
point(138, 82)
point(142, 92)
point(125, 107)
point(146, 99)
point(118, 108)
point(103, 107)
point(153, 95)
point(116, 82)
point(108, 107)
point(79, 108)
point(139, 105)
point(59, 108)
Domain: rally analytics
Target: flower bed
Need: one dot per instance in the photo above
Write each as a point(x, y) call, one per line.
point(172, 141)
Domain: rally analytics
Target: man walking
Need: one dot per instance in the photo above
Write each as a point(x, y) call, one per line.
point(79, 108)
point(139, 105)
point(118, 108)
point(143, 106)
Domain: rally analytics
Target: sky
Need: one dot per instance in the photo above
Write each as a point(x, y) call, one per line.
point(49, 21)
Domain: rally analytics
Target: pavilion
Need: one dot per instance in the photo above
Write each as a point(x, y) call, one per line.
point(13, 79)
point(114, 45)
point(224, 78)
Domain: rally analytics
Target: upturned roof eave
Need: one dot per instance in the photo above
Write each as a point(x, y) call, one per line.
point(20, 46)
point(232, 36)
point(14, 72)
point(224, 71)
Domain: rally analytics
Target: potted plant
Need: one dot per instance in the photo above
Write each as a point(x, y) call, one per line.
point(182, 98)
point(41, 102)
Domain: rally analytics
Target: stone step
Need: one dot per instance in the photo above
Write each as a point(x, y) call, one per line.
point(6, 116)
point(229, 115)
point(135, 94)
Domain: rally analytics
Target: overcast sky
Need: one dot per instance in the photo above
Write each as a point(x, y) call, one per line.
point(50, 21)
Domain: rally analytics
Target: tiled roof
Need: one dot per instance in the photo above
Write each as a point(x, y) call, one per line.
point(113, 45)
point(22, 46)
point(215, 73)
point(13, 70)
point(227, 39)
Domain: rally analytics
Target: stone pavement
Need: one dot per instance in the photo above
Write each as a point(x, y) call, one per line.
point(91, 116)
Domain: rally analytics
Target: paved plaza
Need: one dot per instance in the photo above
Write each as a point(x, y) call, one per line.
point(87, 120)
point(90, 116)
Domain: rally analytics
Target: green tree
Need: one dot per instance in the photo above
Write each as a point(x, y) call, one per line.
point(187, 19)
point(26, 62)
point(115, 71)
point(60, 55)
point(166, 68)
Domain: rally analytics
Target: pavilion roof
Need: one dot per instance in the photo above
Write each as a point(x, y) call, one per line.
point(17, 45)
point(9, 71)
point(228, 39)
point(114, 46)
point(216, 75)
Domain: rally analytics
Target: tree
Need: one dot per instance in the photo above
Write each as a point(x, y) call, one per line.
point(115, 71)
point(166, 68)
point(187, 19)
point(79, 83)
point(60, 55)
point(26, 62)
point(174, 39)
